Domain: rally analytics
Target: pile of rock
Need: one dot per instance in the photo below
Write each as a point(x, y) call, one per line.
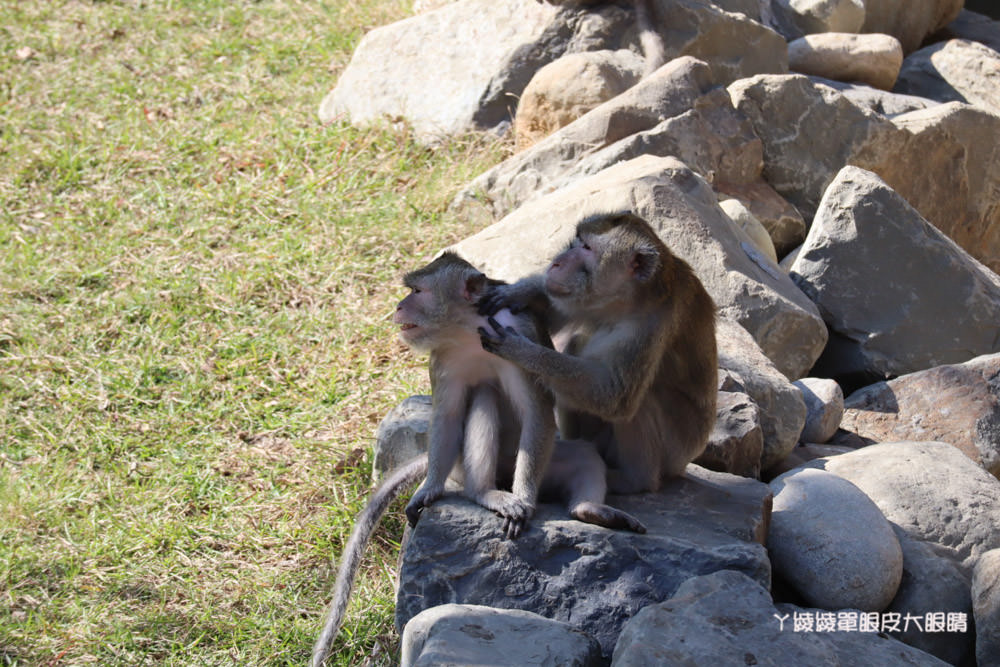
point(873, 174)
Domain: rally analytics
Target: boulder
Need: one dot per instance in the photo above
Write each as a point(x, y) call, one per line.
point(986, 607)
point(401, 435)
point(457, 69)
point(884, 280)
point(783, 222)
point(831, 543)
point(732, 44)
point(780, 405)
point(592, 578)
point(737, 440)
point(931, 491)
point(882, 102)
point(823, 16)
point(726, 618)
point(800, 455)
point(810, 131)
point(569, 87)
point(684, 211)
point(973, 27)
point(824, 408)
point(746, 221)
point(954, 71)
point(958, 404)
point(933, 584)
point(909, 21)
point(869, 59)
point(467, 634)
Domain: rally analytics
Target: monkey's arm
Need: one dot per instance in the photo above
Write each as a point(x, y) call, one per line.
point(350, 559)
point(609, 386)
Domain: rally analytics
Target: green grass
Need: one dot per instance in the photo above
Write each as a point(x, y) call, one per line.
point(196, 282)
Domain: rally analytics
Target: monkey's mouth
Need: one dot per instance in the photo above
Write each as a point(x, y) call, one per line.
point(406, 326)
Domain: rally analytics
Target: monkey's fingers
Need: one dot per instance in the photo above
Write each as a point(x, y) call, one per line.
point(413, 514)
point(489, 342)
point(501, 331)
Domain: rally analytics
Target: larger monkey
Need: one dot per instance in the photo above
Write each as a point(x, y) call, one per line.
point(490, 420)
point(637, 373)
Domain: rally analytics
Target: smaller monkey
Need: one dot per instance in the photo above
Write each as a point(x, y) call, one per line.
point(490, 422)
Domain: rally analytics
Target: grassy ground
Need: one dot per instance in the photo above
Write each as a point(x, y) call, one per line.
point(196, 280)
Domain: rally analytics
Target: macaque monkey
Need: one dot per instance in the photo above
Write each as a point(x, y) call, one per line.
point(636, 368)
point(490, 422)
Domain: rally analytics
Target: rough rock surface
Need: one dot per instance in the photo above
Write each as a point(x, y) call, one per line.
point(885, 280)
point(986, 607)
point(781, 408)
point(824, 408)
point(870, 59)
point(810, 131)
point(974, 27)
point(824, 16)
point(831, 543)
point(593, 578)
point(684, 211)
point(466, 634)
point(737, 440)
point(726, 618)
point(882, 102)
point(930, 490)
point(749, 224)
point(958, 404)
point(954, 71)
point(569, 87)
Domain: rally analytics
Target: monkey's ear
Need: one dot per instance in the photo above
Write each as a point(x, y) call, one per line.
point(475, 285)
point(645, 263)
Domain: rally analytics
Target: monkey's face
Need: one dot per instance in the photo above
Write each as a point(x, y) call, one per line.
point(416, 316)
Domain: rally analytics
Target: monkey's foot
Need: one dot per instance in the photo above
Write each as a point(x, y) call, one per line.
point(607, 516)
point(514, 511)
point(423, 497)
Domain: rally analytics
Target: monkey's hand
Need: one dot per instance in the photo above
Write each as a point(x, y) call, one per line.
point(514, 511)
point(424, 497)
point(504, 342)
point(499, 297)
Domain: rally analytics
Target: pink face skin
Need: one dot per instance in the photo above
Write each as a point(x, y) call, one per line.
point(408, 313)
point(568, 267)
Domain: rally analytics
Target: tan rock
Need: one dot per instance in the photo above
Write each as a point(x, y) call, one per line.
point(872, 59)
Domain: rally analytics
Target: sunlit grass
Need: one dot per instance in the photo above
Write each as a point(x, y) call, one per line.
point(196, 279)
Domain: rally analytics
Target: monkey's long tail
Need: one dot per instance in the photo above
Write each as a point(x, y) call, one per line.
point(364, 527)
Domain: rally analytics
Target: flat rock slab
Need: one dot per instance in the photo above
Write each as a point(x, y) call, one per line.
point(593, 578)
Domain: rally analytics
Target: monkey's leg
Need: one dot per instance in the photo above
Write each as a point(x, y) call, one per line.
point(578, 470)
point(480, 452)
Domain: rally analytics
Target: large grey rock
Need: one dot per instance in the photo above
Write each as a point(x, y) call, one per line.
point(933, 584)
point(684, 211)
point(899, 295)
point(800, 455)
point(402, 434)
point(615, 127)
point(871, 59)
point(954, 71)
point(782, 411)
point(909, 21)
point(737, 440)
point(973, 27)
point(457, 69)
point(593, 578)
point(831, 543)
point(958, 404)
point(569, 87)
point(453, 634)
point(733, 45)
point(824, 408)
point(810, 131)
point(882, 102)
point(726, 618)
point(930, 490)
point(986, 607)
